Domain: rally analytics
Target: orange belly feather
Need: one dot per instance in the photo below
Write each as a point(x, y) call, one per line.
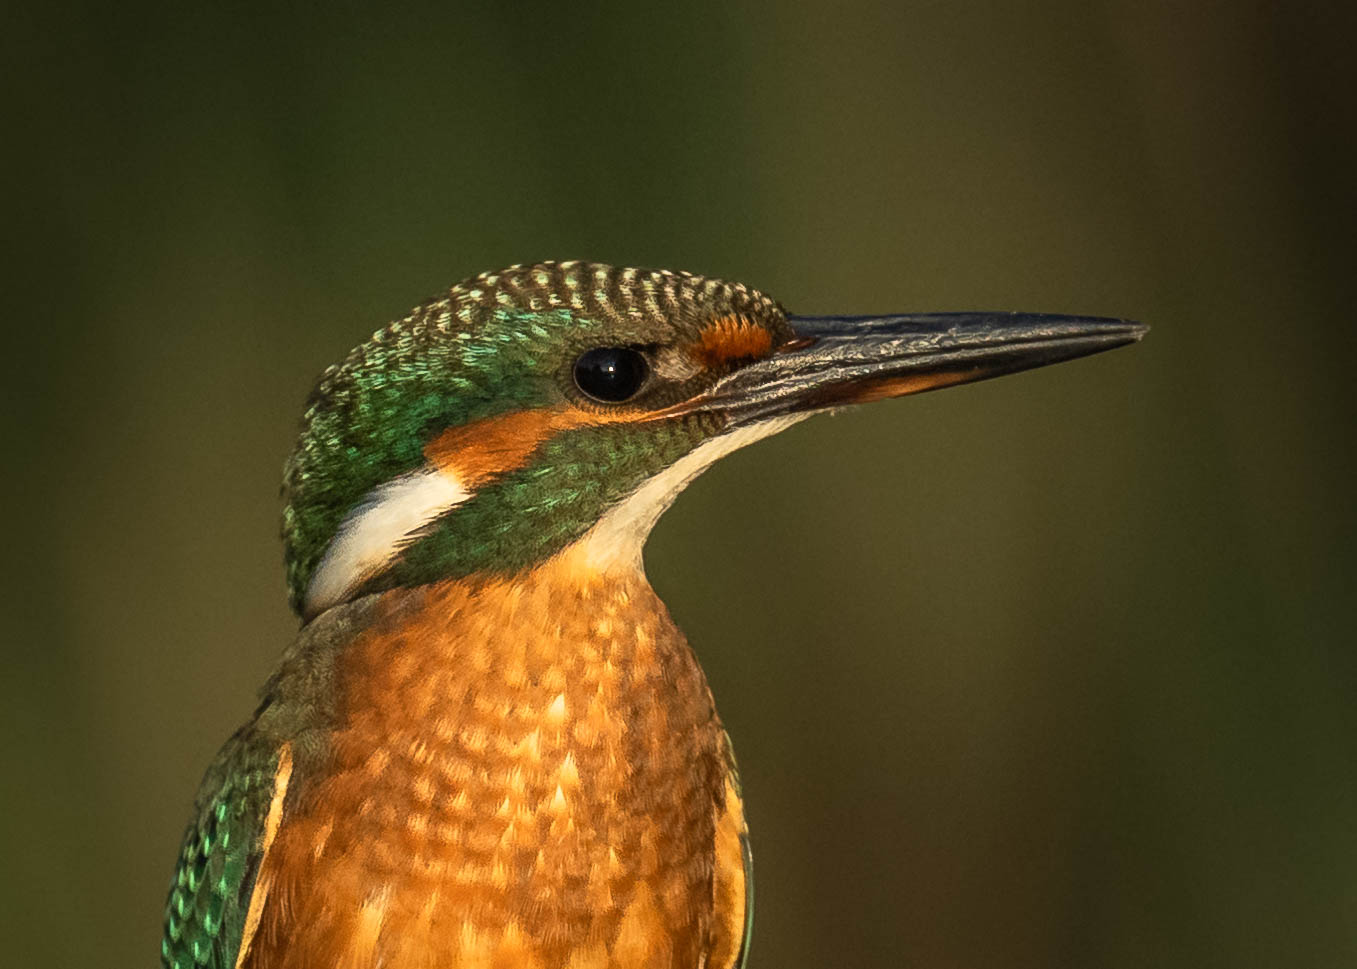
point(526, 774)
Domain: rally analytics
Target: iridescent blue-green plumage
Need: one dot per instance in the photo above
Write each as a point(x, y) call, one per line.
point(464, 497)
point(501, 342)
point(210, 893)
point(219, 860)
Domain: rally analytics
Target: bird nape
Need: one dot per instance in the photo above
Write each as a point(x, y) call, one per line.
point(489, 745)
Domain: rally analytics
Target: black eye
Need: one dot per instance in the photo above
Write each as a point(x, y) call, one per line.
point(611, 374)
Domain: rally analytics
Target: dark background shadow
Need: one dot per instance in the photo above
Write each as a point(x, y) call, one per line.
point(1054, 670)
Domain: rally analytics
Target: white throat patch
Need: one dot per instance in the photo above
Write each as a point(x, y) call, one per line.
point(620, 535)
point(391, 517)
point(396, 514)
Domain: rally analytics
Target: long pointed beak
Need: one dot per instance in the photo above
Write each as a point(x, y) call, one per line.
point(836, 361)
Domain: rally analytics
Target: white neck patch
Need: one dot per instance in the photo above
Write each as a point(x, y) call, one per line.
point(396, 514)
point(391, 517)
point(620, 535)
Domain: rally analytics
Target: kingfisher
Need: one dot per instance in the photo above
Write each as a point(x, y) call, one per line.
point(489, 745)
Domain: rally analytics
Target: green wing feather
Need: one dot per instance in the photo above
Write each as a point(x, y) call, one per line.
point(742, 957)
point(210, 893)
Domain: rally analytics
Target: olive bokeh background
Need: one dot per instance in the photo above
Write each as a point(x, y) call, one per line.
point(1051, 670)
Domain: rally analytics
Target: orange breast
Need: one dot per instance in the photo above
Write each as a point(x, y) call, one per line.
point(527, 774)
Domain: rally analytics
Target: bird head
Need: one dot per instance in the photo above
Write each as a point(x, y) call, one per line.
point(565, 405)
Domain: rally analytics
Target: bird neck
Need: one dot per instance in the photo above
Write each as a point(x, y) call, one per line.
point(564, 648)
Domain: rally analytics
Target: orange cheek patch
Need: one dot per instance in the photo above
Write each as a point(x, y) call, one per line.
point(482, 449)
point(731, 338)
point(492, 446)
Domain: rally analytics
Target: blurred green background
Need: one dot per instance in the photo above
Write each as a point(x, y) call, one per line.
point(1052, 670)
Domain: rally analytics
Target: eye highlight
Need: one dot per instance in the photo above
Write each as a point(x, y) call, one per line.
point(611, 374)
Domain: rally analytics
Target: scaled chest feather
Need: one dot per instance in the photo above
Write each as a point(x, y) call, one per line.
point(522, 773)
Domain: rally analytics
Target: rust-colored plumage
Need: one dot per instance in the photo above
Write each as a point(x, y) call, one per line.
point(731, 338)
point(525, 773)
point(490, 746)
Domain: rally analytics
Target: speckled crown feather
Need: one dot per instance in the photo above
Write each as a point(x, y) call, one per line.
point(444, 364)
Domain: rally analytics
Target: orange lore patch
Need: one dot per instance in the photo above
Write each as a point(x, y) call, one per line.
point(497, 445)
point(731, 338)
